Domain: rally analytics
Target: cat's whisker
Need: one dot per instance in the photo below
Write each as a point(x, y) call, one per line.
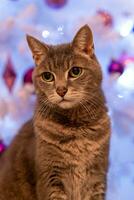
point(43, 109)
point(93, 101)
point(91, 111)
point(85, 108)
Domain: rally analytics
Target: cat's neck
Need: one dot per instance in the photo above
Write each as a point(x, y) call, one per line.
point(78, 116)
point(64, 124)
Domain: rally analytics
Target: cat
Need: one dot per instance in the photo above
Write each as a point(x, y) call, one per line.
point(62, 153)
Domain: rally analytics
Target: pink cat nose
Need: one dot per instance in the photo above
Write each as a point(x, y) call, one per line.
point(61, 91)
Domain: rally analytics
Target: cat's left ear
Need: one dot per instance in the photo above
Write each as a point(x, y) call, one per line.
point(39, 49)
point(83, 41)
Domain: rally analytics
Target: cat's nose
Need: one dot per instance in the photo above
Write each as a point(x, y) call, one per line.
point(61, 91)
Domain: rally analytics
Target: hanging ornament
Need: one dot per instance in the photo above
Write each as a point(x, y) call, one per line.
point(9, 74)
point(106, 17)
point(116, 66)
point(56, 3)
point(28, 76)
point(2, 147)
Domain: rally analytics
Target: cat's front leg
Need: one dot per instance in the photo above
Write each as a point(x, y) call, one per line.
point(57, 194)
point(53, 194)
point(50, 192)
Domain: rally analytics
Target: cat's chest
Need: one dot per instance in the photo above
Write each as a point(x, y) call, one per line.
point(71, 144)
point(77, 151)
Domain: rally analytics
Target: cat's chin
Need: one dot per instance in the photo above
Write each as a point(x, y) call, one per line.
point(64, 104)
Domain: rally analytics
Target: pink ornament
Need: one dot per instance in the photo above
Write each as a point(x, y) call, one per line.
point(2, 147)
point(116, 66)
point(28, 76)
point(56, 3)
point(9, 74)
point(106, 17)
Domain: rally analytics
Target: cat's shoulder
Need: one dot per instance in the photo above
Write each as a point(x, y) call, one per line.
point(27, 130)
point(25, 133)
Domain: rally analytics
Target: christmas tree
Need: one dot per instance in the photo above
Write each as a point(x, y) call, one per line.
point(56, 21)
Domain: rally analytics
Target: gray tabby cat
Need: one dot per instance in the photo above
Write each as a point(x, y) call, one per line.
point(62, 153)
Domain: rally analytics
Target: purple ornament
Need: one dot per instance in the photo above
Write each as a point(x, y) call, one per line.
point(56, 3)
point(28, 76)
point(116, 66)
point(2, 147)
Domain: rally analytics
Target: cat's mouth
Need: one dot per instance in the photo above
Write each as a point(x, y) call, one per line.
point(65, 103)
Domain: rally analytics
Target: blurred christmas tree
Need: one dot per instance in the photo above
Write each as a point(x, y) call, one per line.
point(56, 21)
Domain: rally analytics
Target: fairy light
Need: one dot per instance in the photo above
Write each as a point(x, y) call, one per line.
point(126, 28)
point(45, 33)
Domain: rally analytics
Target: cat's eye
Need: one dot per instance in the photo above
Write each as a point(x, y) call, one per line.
point(47, 76)
point(75, 72)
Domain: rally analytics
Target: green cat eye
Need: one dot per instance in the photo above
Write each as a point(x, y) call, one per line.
point(75, 72)
point(48, 76)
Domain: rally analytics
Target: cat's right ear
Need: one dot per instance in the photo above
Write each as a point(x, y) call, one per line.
point(39, 49)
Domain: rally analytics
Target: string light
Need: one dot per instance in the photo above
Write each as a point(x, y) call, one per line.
point(45, 34)
point(126, 28)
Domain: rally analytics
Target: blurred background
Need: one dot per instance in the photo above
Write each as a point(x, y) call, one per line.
point(56, 21)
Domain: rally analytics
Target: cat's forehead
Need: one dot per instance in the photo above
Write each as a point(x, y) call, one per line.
point(60, 49)
point(59, 57)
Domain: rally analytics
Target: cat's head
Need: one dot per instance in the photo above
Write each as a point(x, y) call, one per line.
point(66, 75)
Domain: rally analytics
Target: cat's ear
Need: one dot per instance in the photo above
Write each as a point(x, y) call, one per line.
point(39, 49)
point(83, 41)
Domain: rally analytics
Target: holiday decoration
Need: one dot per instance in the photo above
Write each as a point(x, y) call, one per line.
point(9, 74)
point(2, 147)
point(28, 76)
point(116, 66)
point(106, 17)
point(112, 23)
point(56, 3)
